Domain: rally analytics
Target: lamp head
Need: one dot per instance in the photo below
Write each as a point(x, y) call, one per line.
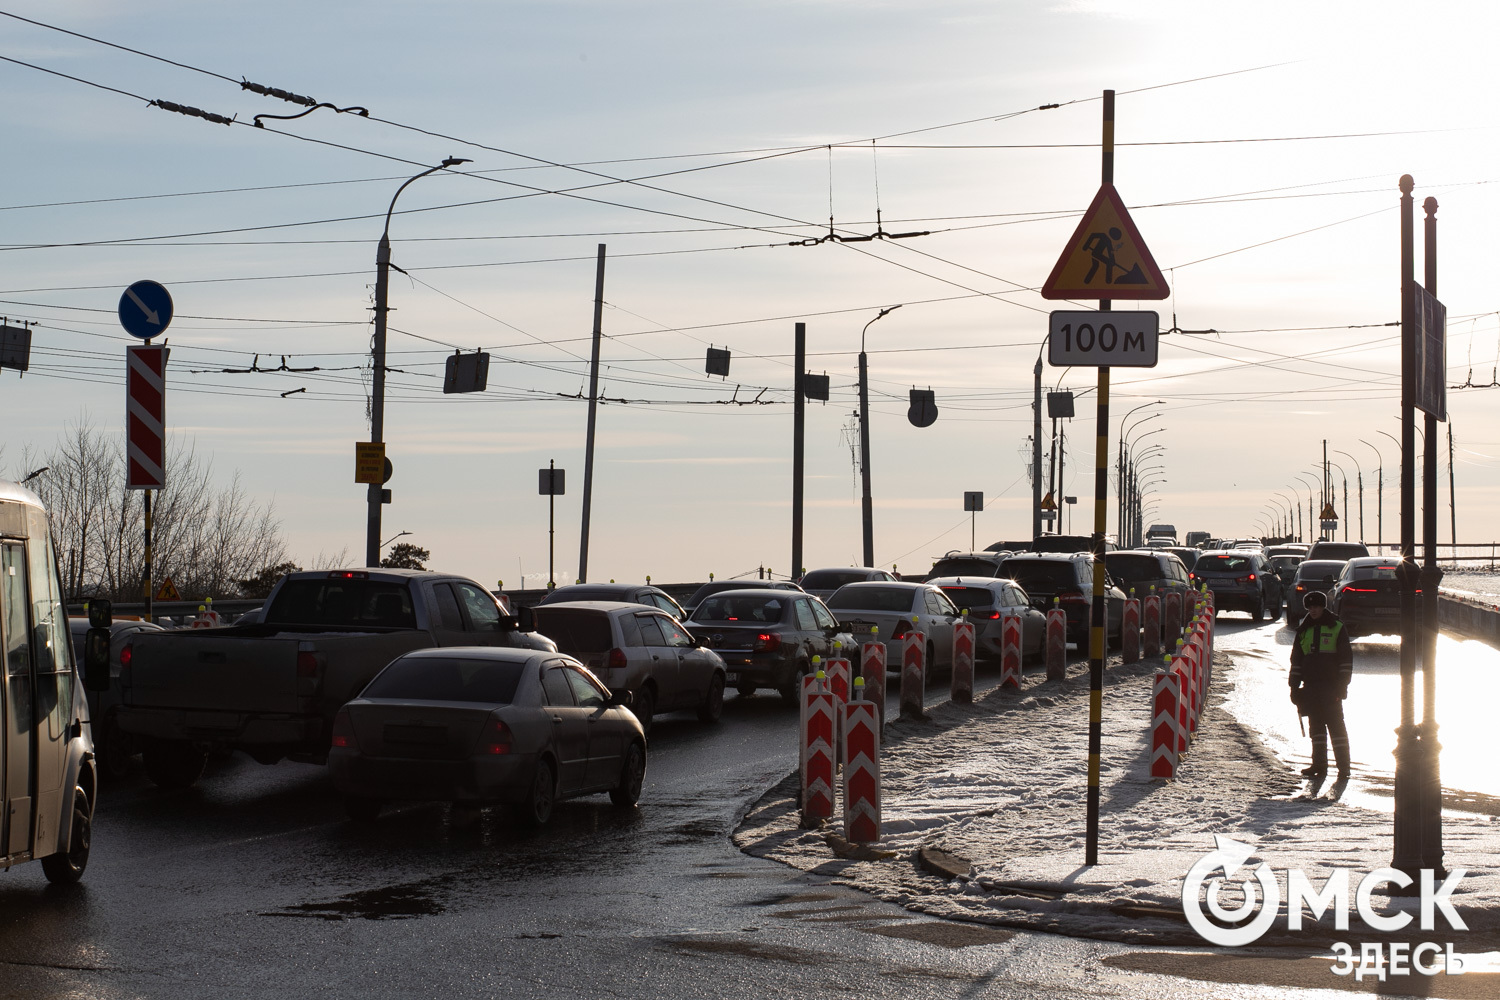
point(454, 161)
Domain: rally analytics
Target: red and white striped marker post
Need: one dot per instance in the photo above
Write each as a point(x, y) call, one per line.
point(1164, 698)
point(1171, 616)
point(872, 672)
point(862, 771)
point(1151, 624)
point(816, 746)
point(1130, 631)
point(913, 674)
point(838, 683)
point(1184, 701)
point(1057, 644)
point(962, 687)
point(145, 417)
point(1010, 652)
point(1195, 685)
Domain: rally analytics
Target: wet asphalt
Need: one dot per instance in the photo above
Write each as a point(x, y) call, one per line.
point(253, 884)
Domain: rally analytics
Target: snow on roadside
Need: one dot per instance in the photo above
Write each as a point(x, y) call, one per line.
point(1002, 784)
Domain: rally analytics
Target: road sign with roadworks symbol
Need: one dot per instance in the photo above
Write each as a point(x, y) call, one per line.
point(1095, 339)
point(1106, 257)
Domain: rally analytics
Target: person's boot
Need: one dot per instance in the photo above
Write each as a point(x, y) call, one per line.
point(1341, 756)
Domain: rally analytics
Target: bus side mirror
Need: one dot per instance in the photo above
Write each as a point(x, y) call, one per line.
point(101, 613)
point(96, 658)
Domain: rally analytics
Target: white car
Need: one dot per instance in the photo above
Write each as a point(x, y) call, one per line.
point(989, 601)
point(893, 609)
point(823, 582)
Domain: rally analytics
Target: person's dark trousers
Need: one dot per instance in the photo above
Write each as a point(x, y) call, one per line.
point(1325, 720)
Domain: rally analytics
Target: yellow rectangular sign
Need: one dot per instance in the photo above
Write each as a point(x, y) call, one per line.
point(369, 462)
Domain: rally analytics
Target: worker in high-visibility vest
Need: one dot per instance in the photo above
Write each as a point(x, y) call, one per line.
point(1322, 664)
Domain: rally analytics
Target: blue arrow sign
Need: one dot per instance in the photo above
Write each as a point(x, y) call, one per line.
point(145, 310)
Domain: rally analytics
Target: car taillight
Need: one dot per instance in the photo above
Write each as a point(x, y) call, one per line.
point(1360, 590)
point(1251, 576)
point(617, 660)
point(994, 614)
point(902, 627)
point(495, 739)
point(1300, 588)
point(1073, 597)
point(766, 642)
point(307, 664)
point(127, 654)
point(343, 730)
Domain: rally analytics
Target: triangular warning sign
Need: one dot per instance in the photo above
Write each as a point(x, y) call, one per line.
point(1048, 503)
point(1329, 514)
point(168, 591)
point(1106, 257)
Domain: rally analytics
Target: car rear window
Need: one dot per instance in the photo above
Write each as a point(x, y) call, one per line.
point(1338, 550)
point(1319, 569)
point(1222, 564)
point(435, 678)
point(897, 599)
point(1374, 572)
point(341, 601)
point(965, 567)
point(971, 597)
point(742, 609)
point(1132, 568)
point(832, 579)
point(1041, 574)
point(575, 631)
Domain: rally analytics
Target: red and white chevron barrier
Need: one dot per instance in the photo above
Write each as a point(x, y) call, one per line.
point(961, 689)
point(1171, 616)
point(1057, 644)
point(861, 772)
point(913, 674)
point(837, 670)
point(1130, 631)
point(1165, 694)
point(872, 672)
point(1010, 652)
point(145, 417)
point(816, 744)
point(1151, 624)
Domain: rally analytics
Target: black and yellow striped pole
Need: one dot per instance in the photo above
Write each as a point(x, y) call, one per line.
point(1101, 510)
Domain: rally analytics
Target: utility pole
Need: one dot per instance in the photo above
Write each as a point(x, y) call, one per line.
point(588, 454)
point(1431, 795)
point(799, 405)
point(1407, 830)
point(1036, 448)
point(867, 505)
point(1452, 509)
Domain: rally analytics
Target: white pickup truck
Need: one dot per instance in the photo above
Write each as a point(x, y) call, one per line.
point(272, 688)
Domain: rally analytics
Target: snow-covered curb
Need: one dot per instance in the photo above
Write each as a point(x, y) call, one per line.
point(1002, 784)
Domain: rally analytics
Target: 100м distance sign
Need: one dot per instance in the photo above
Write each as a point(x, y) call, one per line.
point(1089, 338)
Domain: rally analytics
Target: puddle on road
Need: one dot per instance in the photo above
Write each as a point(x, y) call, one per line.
point(397, 902)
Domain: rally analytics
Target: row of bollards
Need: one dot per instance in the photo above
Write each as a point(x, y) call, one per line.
point(1180, 690)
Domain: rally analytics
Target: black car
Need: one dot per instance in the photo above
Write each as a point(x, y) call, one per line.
point(1069, 579)
point(957, 563)
point(629, 593)
point(767, 638)
point(1338, 550)
point(1241, 580)
point(1067, 544)
point(1312, 574)
point(113, 745)
point(1139, 570)
point(1367, 596)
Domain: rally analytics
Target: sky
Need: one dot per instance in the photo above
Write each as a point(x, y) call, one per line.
point(1259, 153)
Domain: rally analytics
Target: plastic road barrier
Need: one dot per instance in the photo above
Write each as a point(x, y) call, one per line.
point(1165, 695)
point(913, 672)
point(1171, 616)
point(1057, 644)
point(862, 772)
point(1130, 631)
point(1010, 652)
point(838, 683)
point(962, 687)
point(816, 745)
point(1151, 625)
point(872, 672)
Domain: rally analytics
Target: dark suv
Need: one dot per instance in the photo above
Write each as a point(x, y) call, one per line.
point(1142, 569)
point(1338, 550)
point(1312, 574)
point(958, 563)
point(1241, 581)
point(1367, 596)
point(1069, 579)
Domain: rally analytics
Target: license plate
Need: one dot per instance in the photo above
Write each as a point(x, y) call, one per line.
point(422, 735)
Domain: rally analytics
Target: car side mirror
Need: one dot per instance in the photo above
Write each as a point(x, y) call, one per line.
point(508, 623)
point(525, 620)
point(101, 613)
point(623, 698)
point(96, 657)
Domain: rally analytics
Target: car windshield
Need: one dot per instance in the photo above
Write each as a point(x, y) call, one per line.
point(444, 678)
point(574, 630)
point(1130, 568)
point(971, 597)
point(961, 566)
point(732, 608)
point(832, 579)
point(897, 599)
point(349, 602)
point(1285, 562)
point(1041, 575)
point(1223, 564)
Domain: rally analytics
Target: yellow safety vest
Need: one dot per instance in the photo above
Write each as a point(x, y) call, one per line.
point(1328, 638)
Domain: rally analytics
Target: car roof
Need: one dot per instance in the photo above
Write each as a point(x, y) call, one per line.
point(767, 592)
point(866, 584)
point(987, 582)
point(1375, 561)
point(507, 654)
point(1317, 565)
point(631, 606)
point(1048, 556)
point(616, 587)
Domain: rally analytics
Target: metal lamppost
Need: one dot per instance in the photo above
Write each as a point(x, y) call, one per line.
point(1345, 477)
point(1291, 505)
point(1397, 442)
point(377, 395)
point(1127, 489)
point(1312, 514)
point(1122, 460)
point(867, 505)
point(1379, 492)
point(1360, 478)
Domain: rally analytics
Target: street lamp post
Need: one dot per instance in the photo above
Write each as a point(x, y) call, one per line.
point(1123, 498)
point(1360, 479)
point(867, 505)
point(1394, 440)
point(377, 395)
point(1345, 477)
point(1311, 484)
point(1379, 491)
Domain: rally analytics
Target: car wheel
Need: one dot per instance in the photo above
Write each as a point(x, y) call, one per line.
point(67, 868)
point(537, 809)
point(713, 700)
point(632, 777)
point(173, 764)
point(1275, 611)
point(113, 750)
point(792, 689)
point(362, 809)
point(1259, 614)
point(745, 690)
point(644, 707)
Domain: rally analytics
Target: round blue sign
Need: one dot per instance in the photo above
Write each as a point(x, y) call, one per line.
point(145, 310)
